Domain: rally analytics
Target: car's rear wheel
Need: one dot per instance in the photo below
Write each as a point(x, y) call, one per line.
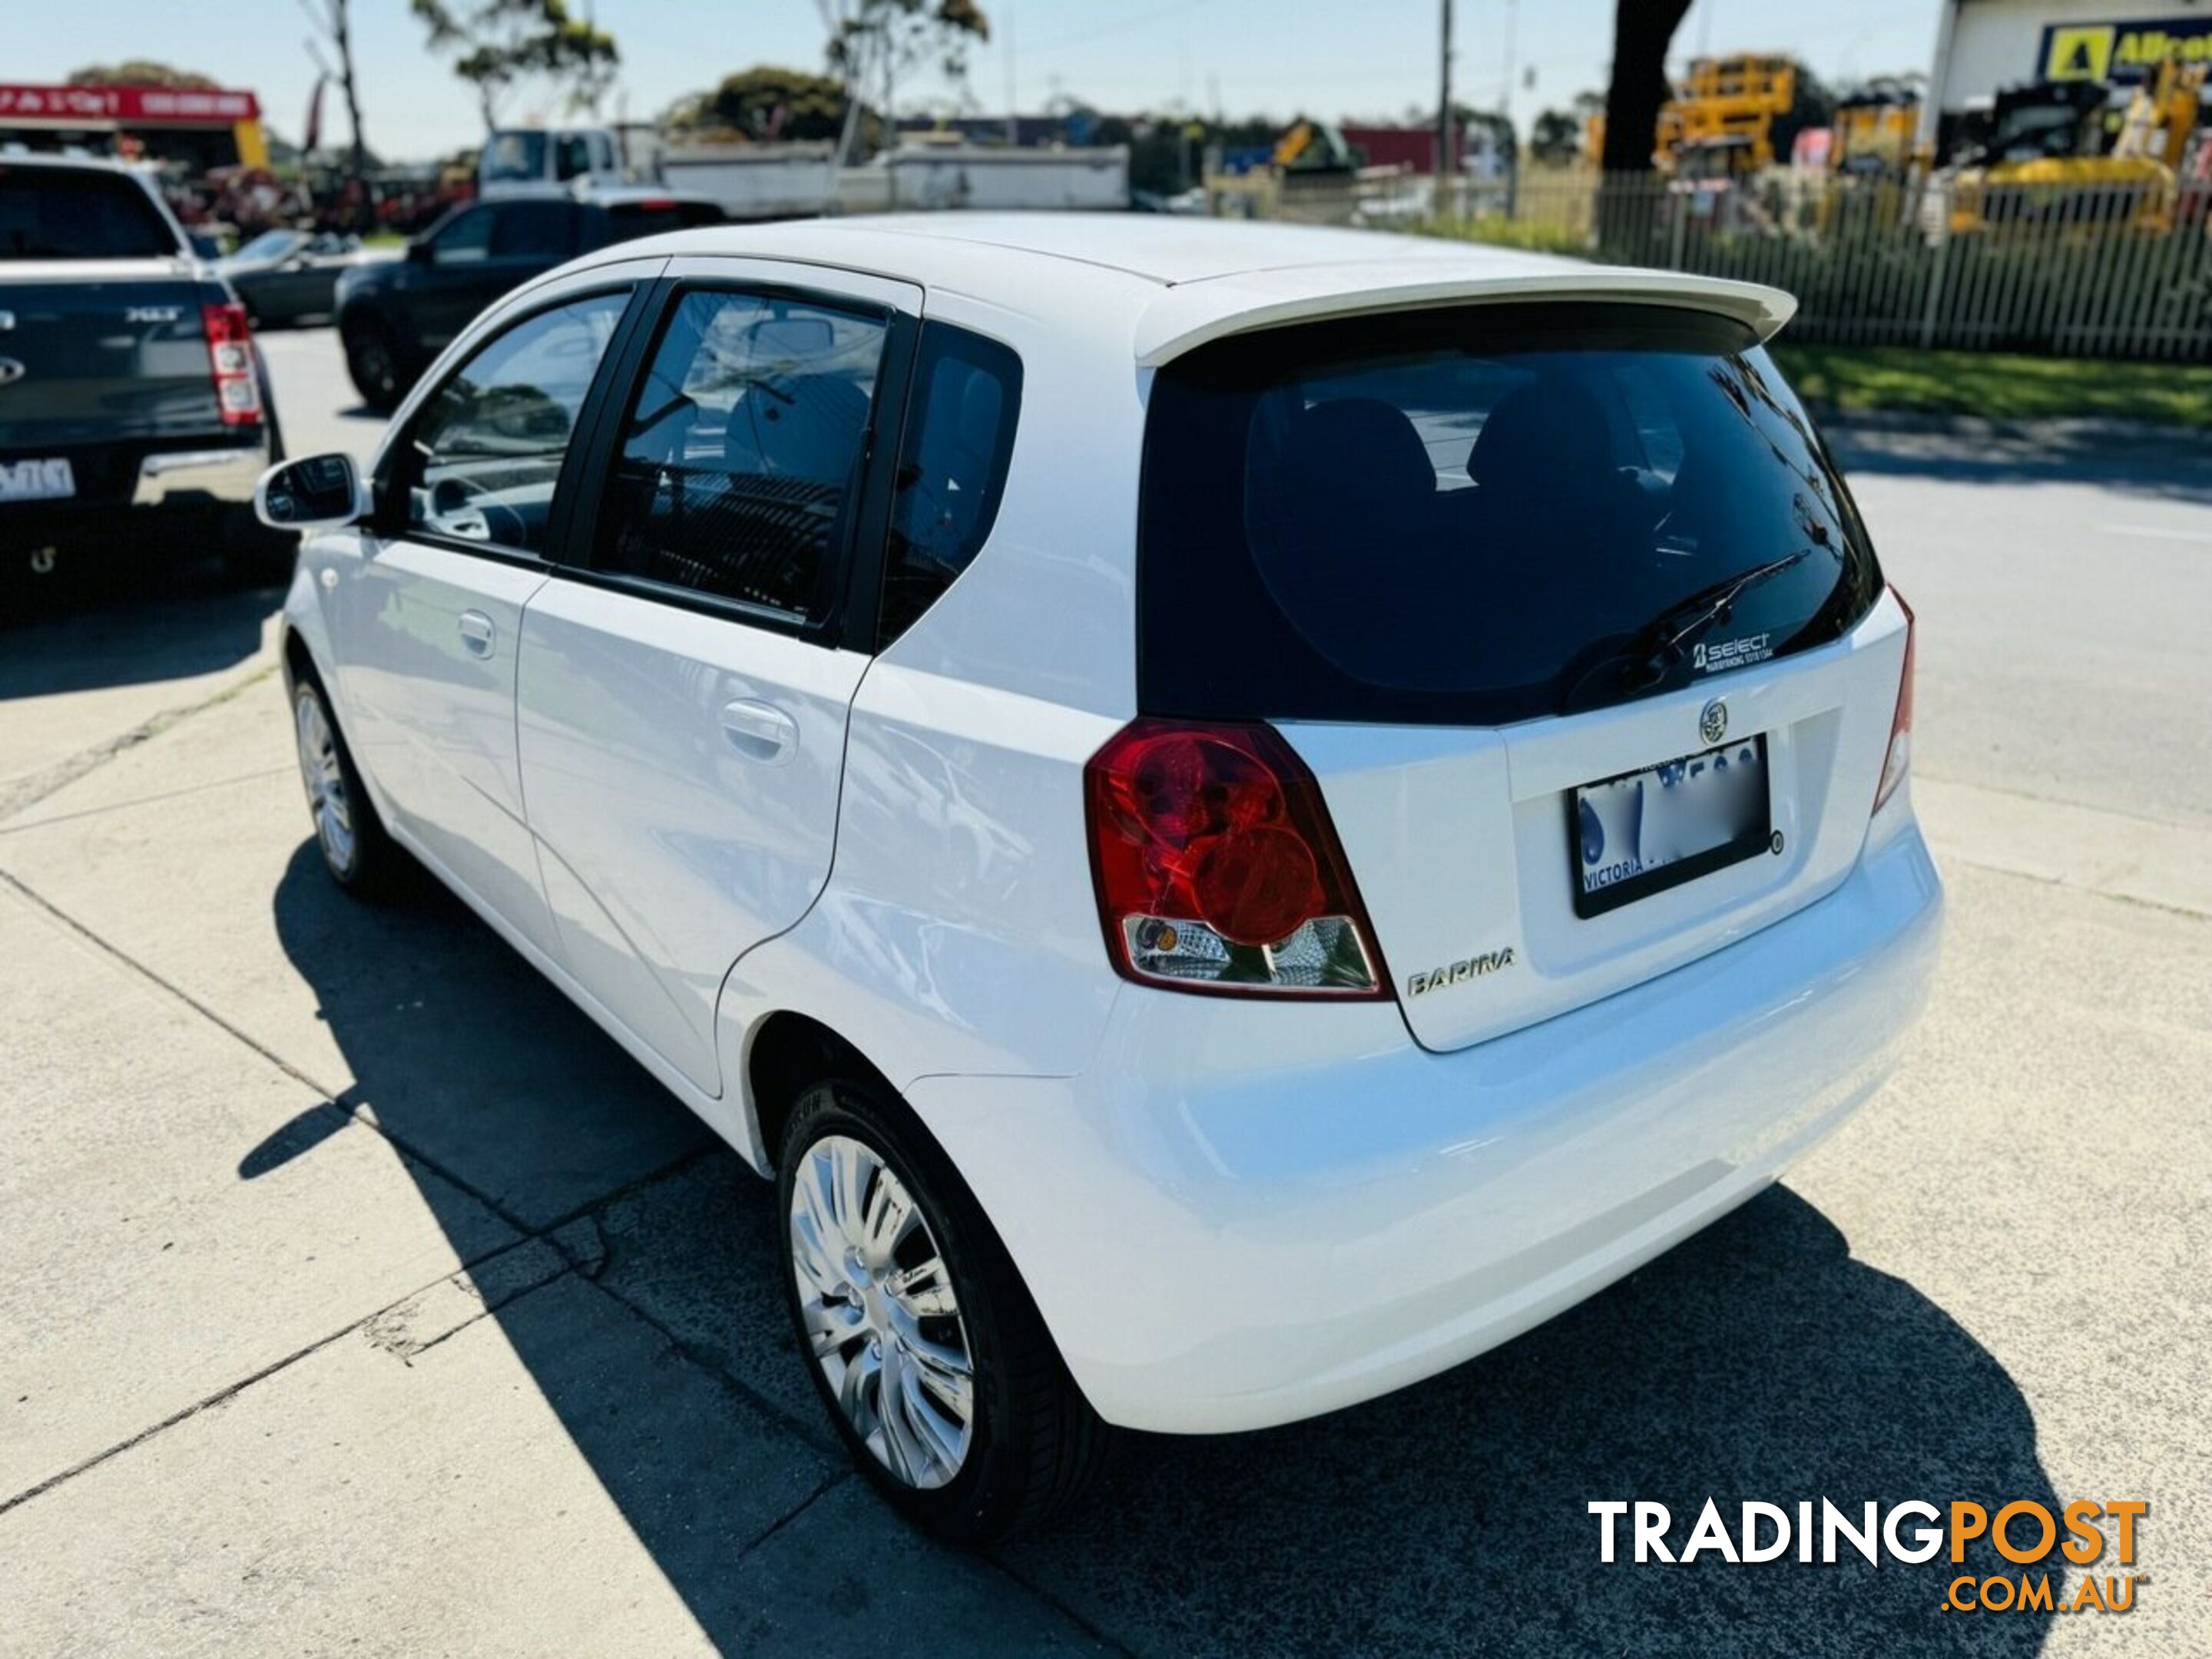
point(929, 1355)
point(372, 362)
point(360, 856)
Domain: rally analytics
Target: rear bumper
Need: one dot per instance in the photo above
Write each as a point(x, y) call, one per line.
point(1247, 1214)
point(224, 477)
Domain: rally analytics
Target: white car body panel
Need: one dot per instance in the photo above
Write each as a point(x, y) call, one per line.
point(1307, 1214)
point(916, 875)
point(671, 842)
point(426, 641)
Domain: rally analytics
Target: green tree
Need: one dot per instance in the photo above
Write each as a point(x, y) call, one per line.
point(767, 103)
point(873, 42)
point(1556, 136)
point(142, 72)
point(497, 45)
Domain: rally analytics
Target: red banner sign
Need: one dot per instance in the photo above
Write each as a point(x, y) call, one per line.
point(174, 106)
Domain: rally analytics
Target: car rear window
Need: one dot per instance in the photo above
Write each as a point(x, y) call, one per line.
point(635, 219)
point(69, 213)
point(1480, 515)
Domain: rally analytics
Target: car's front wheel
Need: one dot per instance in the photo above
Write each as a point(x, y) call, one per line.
point(930, 1356)
point(371, 356)
point(356, 850)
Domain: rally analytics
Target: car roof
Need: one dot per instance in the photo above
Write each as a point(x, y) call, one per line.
point(1160, 250)
point(1166, 284)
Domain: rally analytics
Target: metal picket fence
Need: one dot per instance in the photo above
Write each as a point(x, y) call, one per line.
point(2109, 271)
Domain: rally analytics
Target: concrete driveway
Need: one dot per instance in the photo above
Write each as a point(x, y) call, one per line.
point(358, 1294)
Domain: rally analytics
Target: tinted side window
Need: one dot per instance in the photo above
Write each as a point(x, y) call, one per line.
point(484, 454)
point(951, 468)
point(466, 239)
point(526, 230)
point(740, 457)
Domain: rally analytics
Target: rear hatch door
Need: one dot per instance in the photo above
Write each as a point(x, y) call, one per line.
point(101, 332)
point(1565, 607)
point(95, 351)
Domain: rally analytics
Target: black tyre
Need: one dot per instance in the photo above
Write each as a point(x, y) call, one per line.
point(360, 856)
point(372, 355)
point(931, 1358)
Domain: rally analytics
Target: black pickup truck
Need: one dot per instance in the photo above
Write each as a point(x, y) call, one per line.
point(135, 413)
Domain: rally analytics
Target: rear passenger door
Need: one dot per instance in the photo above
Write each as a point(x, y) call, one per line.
point(683, 688)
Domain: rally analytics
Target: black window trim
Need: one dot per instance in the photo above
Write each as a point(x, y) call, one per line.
point(849, 621)
point(390, 520)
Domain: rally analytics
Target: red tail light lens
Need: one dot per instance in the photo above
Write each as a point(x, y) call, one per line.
point(1218, 869)
point(1899, 761)
point(230, 355)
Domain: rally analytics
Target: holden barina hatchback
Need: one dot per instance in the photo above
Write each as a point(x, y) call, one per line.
point(1235, 815)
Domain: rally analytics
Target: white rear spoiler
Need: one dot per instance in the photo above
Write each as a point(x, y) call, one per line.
point(1190, 314)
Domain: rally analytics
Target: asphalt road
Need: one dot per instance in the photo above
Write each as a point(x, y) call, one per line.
point(357, 1293)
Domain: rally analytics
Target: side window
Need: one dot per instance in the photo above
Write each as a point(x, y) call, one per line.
point(572, 156)
point(465, 240)
point(951, 468)
point(483, 455)
point(523, 230)
point(741, 461)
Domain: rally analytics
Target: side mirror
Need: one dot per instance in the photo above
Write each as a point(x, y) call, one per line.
point(421, 253)
point(323, 492)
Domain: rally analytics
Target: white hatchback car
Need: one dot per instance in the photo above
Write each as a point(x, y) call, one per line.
point(1237, 814)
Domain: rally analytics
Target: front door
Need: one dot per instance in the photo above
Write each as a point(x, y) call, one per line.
point(683, 695)
point(430, 616)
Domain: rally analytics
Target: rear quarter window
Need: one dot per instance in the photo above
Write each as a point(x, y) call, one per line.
point(953, 458)
point(1477, 515)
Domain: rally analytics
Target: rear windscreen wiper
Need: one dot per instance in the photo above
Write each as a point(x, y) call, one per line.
point(1659, 644)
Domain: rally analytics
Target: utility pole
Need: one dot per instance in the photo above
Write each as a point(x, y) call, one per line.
point(1444, 147)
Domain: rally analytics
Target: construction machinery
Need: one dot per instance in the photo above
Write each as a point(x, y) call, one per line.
point(1730, 117)
point(1874, 129)
point(2074, 151)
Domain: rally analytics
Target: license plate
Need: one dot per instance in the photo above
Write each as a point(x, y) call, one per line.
point(1643, 832)
point(36, 481)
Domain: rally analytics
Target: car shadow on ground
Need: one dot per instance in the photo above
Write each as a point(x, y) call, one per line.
point(1758, 1360)
point(121, 622)
point(2157, 464)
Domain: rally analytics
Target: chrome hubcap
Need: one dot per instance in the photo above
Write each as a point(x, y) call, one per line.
point(879, 1311)
point(326, 780)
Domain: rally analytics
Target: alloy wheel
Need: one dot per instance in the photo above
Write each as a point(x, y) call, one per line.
point(879, 1312)
point(324, 775)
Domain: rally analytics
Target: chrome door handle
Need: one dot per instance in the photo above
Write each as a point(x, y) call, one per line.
point(760, 730)
point(476, 633)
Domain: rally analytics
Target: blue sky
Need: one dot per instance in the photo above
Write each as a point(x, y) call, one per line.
point(1332, 58)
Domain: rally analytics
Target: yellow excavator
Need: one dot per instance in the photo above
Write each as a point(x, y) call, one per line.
point(1729, 117)
point(2066, 149)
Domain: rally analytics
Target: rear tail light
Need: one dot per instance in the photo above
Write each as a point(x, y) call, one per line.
point(230, 355)
point(1899, 761)
point(1218, 869)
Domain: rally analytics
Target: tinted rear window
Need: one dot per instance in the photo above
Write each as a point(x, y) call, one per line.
point(68, 214)
point(1477, 515)
point(633, 220)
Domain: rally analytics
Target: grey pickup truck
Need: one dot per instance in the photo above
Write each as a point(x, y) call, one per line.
point(135, 413)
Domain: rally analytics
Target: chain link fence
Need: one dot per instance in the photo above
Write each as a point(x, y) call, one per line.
point(2076, 269)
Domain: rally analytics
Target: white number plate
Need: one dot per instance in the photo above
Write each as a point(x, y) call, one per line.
point(36, 481)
